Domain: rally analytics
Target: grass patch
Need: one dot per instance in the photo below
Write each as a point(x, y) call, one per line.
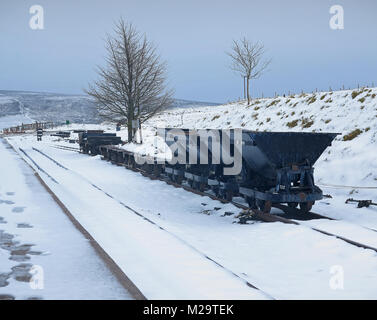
point(292, 124)
point(306, 123)
point(311, 100)
point(273, 103)
point(355, 94)
point(352, 135)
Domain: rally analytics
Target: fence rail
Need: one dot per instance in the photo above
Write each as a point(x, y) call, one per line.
point(28, 126)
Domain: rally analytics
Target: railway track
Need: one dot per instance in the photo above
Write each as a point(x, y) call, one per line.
point(253, 213)
point(66, 148)
point(58, 164)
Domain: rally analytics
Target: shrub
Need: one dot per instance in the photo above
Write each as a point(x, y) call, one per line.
point(311, 100)
point(323, 97)
point(306, 123)
point(367, 129)
point(328, 100)
point(293, 113)
point(327, 121)
point(215, 117)
point(256, 108)
point(362, 107)
point(292, 124)
point(268, 119)
point(362, 99)
point(355, 94)
point(273, 103)
point(373, 95)
point(352, 135)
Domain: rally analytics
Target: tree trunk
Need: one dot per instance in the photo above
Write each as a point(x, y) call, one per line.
point(248, 91)
point(244, 88)
point(129, 129)
point(130, 117)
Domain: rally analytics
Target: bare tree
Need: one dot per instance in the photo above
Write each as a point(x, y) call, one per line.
point(132, 85)
point(247, 59)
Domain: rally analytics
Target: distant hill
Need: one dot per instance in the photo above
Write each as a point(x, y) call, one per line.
point(61, 107)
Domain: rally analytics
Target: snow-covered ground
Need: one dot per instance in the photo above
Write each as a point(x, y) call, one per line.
point(36, 238)
point(284, 261)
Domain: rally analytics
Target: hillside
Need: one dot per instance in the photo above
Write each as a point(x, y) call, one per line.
point(19, 106)
point(350, 161)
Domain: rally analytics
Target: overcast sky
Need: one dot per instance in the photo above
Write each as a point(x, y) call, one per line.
point(192, 36)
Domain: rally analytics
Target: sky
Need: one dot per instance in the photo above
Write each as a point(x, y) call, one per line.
point(192, 37)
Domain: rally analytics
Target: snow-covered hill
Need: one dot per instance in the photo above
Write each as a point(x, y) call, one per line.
point(48, 106)
point(350, 161)
point(58, 107)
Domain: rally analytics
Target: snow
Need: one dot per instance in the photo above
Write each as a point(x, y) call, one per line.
point(70, 265)
point(284, 261)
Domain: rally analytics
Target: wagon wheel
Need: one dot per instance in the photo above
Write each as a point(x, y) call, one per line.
point(202, 186)
point(292, 204)
point(305, 207)
point(133, 163)
point(228, 196)
point(216, 190)
point(178, 179)
point(264, 206)
point(251, 202)
point(156, 170)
